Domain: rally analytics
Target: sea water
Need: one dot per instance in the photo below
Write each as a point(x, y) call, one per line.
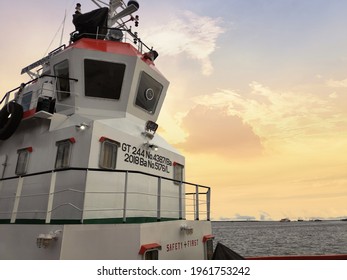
point(250, 239)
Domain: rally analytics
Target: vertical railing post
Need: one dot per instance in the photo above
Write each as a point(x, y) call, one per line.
point(208, 204)
point(159, 200)
point(17, 198)
point(125, 197)
point(197, 203)
point(51, 197)
point(85, 195)
point(180, 202)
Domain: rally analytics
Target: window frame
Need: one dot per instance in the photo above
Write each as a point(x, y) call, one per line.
point(209, 249)
point(23, 162)
point(148, 84)
point(62, 94)
point(178, 173)
point(116, 89)
point(103, 163)
point(60, 161)
point(151, 255)
point(26, 100)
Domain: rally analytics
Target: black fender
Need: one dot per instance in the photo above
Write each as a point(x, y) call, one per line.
point(10, 116)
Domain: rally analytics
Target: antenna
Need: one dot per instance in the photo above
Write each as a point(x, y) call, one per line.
point(63, 30)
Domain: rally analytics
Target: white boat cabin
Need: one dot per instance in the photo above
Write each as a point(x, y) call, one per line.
point(82, 165)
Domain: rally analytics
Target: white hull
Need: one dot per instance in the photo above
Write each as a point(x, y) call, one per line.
point(83, 173)
point(105, 241)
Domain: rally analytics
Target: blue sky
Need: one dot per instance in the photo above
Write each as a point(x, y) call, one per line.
point(264, 86)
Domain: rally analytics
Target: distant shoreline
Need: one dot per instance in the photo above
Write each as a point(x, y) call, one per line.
point(293, 221)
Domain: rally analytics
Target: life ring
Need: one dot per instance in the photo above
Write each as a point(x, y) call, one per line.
point(10, 116)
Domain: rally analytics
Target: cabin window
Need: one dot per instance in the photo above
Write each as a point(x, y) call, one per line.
point(64, 151)
point(108, 155)
point(151, 255)
point(26, 100)
point(23, 161)
point(61, 70)
point(148, 93)
point(209, 249)
point(178, 173)
point(103, 79)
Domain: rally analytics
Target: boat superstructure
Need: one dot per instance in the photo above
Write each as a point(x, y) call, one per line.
point(84, 173)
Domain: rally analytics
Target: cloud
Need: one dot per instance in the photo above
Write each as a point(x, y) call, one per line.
point(337, 84)
point(260, 121)
point(172, 128)
point(333, 95)
point(212, 130)
point(277, 114)
point(188, 33)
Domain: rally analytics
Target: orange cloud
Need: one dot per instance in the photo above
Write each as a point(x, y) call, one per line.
point(214, 131)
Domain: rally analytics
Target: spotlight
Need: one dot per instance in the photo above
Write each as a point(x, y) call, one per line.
point(82, 126)
point(151, 55)
point(115, 35)
point(152, 147)
point(150, 128)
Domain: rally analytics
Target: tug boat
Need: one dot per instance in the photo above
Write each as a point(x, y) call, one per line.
point(84, 173)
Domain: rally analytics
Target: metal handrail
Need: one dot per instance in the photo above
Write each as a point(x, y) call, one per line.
point(103, 170)
point(136, 42)
point(193, 209)
point(7, 94)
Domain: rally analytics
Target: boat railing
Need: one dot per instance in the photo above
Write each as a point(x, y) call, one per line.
point(129, 37)
point(7, 97)
point(192, 201)
point(36, 93)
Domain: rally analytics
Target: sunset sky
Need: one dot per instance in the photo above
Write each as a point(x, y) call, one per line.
point(257, 100)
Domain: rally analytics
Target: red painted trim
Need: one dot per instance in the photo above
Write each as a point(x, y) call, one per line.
point(106, 46)
point(72, 140)
point(109, 47)
point(29, 149)
point(146, 247)
point(207, 237)
point(29, 113)
point(318, 257)
point(103, 139)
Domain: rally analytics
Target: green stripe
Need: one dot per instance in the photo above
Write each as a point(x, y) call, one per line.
point(130, 220)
